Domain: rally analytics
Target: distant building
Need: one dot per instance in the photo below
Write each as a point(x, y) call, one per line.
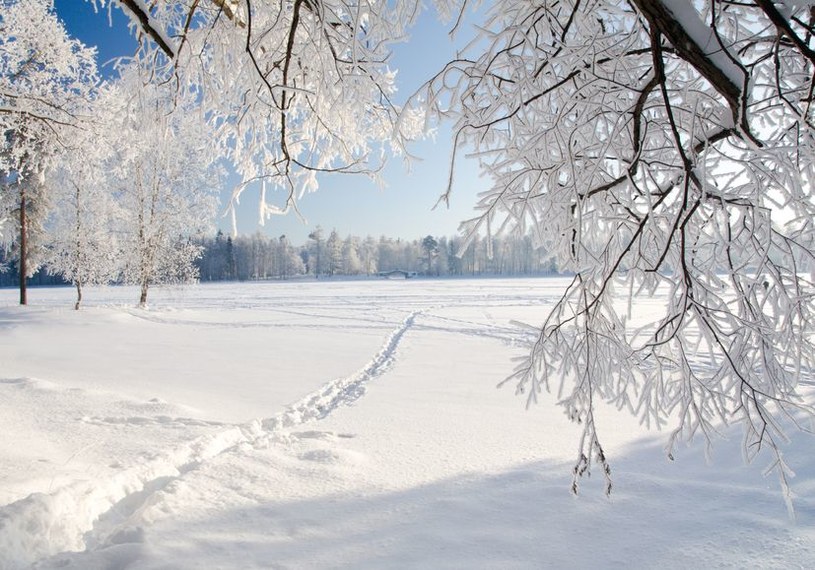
point(397, 274)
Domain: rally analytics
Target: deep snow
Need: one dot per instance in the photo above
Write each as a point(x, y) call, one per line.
point(342, 424)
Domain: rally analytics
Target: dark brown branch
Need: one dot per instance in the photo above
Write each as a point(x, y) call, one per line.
point(144, 21)
point(784, 27)
point(190, 14)
point(295, 22)
point(663, 21)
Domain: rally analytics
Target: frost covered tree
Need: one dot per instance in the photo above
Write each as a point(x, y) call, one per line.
point(164, 181)
point(46, 80)
point(368, 253)
point(430, 247)
point(26, 204)
point(290, 261)
point(316, 252)
point(351, 262)
point(660, 144)
point(289, 89)
point(82, 245)
point(333, 250)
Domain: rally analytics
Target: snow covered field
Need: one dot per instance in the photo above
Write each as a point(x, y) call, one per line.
point(342, 424)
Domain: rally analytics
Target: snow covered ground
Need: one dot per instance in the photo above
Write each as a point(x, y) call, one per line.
point(342, 424)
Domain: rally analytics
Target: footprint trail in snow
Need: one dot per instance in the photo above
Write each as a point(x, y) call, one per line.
point(88, 514)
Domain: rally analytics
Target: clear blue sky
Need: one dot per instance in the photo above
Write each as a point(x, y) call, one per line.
point(352, 205)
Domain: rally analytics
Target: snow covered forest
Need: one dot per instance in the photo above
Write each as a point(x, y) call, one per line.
point(259, 256)
point(659, 152)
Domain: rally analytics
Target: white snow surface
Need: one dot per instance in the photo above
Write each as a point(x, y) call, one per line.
point(349, 424)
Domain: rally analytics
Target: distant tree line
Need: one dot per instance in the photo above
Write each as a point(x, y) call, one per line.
point(260, 256)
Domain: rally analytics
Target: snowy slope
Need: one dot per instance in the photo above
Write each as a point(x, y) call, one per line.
point(341, 424)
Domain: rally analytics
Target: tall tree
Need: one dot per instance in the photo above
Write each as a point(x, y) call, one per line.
point(351, 262)
point(164, 181)
point(46, 80)
point(26, 204)
point(316, 251)
point(82, 245)
point(430, 247)
point(290, 261)
point(333, 248)
point(369, 250)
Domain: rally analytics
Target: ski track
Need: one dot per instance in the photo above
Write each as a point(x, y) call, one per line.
point(510, 336)
point(160, 420)
point(86, 514)
point(162, 319)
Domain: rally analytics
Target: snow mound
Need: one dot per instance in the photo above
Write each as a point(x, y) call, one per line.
point(44, 524)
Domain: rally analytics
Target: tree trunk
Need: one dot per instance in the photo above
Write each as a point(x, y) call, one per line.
point(23, 249)
point(143, 297)
point(78, 230)
point(78, 294)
